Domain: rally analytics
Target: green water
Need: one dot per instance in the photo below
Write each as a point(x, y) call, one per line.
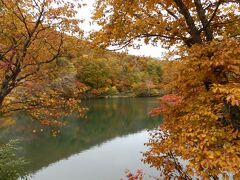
point(100, 147)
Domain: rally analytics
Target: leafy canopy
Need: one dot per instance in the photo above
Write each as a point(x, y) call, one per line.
point(33, 35)
point(202, 114)
point(170, 22)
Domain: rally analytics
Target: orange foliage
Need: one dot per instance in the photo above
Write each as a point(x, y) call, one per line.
point(166, 102)
point(200, 129)
point(34, 34)
point(137, 176)
point(204, 128)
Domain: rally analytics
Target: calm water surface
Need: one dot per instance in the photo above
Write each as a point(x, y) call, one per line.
point(101, 147)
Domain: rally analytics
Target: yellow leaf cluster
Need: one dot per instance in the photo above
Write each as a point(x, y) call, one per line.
point(199, 130)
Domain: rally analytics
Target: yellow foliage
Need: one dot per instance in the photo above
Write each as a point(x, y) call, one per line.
point(194, 130)
point(204, 128)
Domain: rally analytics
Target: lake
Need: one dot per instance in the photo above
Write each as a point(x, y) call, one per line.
point(101, 147)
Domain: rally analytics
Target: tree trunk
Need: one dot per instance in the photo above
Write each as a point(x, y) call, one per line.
point(234, 112)
point(3, 94)
point(9, 82)
point(5, 89)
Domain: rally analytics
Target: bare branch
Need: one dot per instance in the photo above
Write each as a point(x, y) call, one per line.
point(213, 15)
point(202, 16)
point(189, 20)
point(169, 11)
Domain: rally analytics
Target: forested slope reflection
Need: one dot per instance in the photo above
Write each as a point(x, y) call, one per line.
point(106, 119)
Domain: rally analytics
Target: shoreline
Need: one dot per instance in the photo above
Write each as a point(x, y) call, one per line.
point(116, 97)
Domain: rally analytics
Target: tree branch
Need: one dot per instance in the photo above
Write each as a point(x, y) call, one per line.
point(169, 11)
point(213, 15)
point(202, 17)
point(189, 20)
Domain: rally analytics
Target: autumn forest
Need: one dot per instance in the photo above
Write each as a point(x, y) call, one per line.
point(75, 100)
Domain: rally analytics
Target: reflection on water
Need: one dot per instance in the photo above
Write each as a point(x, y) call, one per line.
point(108, 161)
point(99, 148)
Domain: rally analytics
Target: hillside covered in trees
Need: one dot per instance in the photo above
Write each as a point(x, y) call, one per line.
point(45, 61)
